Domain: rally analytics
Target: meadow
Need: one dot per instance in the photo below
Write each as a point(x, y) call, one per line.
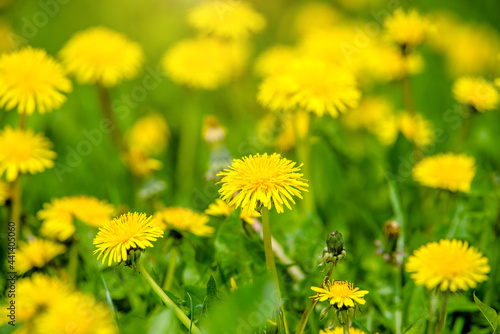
point(229, 166)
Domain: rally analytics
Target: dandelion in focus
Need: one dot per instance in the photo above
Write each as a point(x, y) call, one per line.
point(125, 234)
point(23, 151)
point(340, 294)
point(476, 93)
point(185, 220)
point(32, 80)
point(102, 56)
point(453, 172)
point(36, 253)
point(448, 265)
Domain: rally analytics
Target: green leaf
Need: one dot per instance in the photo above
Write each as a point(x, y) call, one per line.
point(163, 322)
point(360, 326)
point(212, 288)
point(489, 313)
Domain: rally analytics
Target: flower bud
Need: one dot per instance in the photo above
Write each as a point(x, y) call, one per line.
point(335, 243)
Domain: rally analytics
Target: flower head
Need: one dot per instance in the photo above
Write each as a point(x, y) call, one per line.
point(236, 21)
point(140, 163)
point(221, 209)
point(204, 62)
point(149, 133)
point(453, 172)
point(275, 59)
point(448, 265)
point(340, 293)
point(36, 253)
point(128, 232)
point(407, 29)
point(58, 216)
point(78, 313)
point(313, 85)
point(100, 55)
point(23, 151)
point(265, 180)
point(416, 129)
point(184, 219)
point(340, 330)
point(476, 93)
point(31, 80)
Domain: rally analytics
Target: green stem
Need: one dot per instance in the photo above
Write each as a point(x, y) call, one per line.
point(432, 312)
point(22, 121)
point(171, 269)
point(310, 307)
point(408, 98)
point(345, 329)
point(442, 313)
point(398, 316)
point(271, 265)
point(163, 296)
point(73, 261)
point(16, 205)
point(107, 113)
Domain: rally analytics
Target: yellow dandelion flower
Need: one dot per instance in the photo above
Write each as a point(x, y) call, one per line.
point(204, 63)
point(39, 292)
point(23, 151)
point(316, 16)
point(340, 293)
point(275, 59)
point(233, 21)
point(448, 265)
point(100, 55)
point(58, 216)
point(262, 180)
point(185, 220)
point(36, 253)
point(77, 313)
point(340, 330)
point(311, 85)
point(149, 133)
point(130, 231)
point(407, 29)
point(416, 129)
point(31, 80)
point(140, 163)
point(4, 192)
point(476, 93)
point(453, 172)
point(221, 209)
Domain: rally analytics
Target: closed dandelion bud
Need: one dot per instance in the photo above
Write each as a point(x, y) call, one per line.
point(335, 243)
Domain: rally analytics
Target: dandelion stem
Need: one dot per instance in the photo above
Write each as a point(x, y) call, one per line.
point(345, 329)
point(432, 312)
point(398, 316)
point(107, 113)
point(271, 265)
point(442, 313)
point(163, 296)
point(408, 98)
point(310, 307)
point(73, 261)
point(22, 121)
point(171, 269)
point(16, 204)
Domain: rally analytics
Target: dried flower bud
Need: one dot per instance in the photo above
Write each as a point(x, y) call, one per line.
point(392, 230)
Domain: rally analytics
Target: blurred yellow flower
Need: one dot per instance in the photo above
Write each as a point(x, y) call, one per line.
point(407, 29)
point(476, 93)
point(311, 85)
point(219, 208)
point(213, 132)
point(128, 232)
point(340, 330)
point(23, 151)
point(77, 313)
point(204, 62)
point(275, 59)
point(315, 16)
point(103, 56)
point(140, 163)
point(453, 172)
point(262, 180)
point(448, 265)
point(233, 21)
point(149, 133)
point(36, 253)
point(341, 294)
point(58, 216)
point(376, 115)
point(416, 129)
point(184, 219)
point(6, 35)
point(31, 80)
point(4, 192)
point(37, 293)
